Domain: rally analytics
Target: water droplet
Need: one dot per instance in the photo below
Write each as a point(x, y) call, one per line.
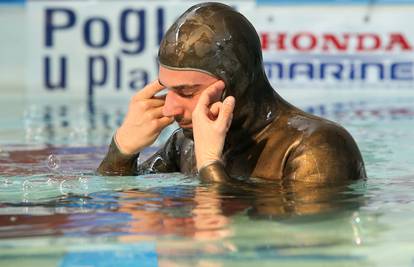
point(50, 181)
point(83, 183)
point(269, 115)
point(355, 223)
point(27, 185)
point(7, 182)
point(61, 188)
point(53, 162)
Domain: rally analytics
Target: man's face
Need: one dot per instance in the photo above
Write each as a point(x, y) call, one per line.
point(184, 90)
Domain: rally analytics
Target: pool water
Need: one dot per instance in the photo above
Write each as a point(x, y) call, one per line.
point(54, 210)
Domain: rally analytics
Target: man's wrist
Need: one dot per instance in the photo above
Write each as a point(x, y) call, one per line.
point(208, 162)
point(121, 147)
point(214, 171)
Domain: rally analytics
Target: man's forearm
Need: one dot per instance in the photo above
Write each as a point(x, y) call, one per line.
point(117, 163)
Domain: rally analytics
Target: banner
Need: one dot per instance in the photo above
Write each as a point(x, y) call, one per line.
point(106, 49)
point(88, 49)
point(329, 47)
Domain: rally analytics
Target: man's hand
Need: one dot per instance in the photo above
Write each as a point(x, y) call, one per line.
point(211, 121)
point(144, 120)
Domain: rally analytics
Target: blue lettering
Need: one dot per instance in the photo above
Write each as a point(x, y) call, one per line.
point(87, 32)
point(160, 24)
point(118, 73)
point(336, 70)
point(138, 39)
point(51, 25)
point(270, 67)
point(301, 68)
point(97, 73)
point(402, 71)
point(139, 79)
point(378, 66)
point(61, 70)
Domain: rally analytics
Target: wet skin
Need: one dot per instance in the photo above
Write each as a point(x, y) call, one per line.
point(268, 137)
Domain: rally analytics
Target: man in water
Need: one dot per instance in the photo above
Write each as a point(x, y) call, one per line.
point(232, 123)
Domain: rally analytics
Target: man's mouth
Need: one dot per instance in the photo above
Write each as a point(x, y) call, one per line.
point(185, 125)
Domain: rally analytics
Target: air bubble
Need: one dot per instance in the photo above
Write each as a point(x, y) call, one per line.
point(269, 115)
point(53, 162)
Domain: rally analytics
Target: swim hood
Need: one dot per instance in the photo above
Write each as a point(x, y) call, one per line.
point(216, 39)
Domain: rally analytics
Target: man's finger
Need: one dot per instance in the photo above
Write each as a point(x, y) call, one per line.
point(226, 111)
point(154, 103)
point(149, 90)
point(215, 110)
point(164, 122)
point(155, 113)
point(142, 106)
point(206, 97)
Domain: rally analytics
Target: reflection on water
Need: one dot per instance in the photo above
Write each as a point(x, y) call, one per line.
point(71, 123)
point(257, 221)
point(252, 221)
point(150, 205)
point(55, 211)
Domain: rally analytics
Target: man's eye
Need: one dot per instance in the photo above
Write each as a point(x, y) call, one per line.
point(187, 95)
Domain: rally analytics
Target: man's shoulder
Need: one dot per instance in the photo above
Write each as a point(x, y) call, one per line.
point(314, 128)
point(326, 131)
point(326, 139)
point(326, 151)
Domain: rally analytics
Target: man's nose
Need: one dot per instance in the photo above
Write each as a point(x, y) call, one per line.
point(172, 106)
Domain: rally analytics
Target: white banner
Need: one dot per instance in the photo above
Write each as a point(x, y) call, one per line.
point(338, 47)
point(93, 49)
point(84, 49)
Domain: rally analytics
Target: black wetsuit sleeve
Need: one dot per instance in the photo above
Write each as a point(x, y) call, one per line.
point(327, 156)
point(214, 172)
point(117, 163)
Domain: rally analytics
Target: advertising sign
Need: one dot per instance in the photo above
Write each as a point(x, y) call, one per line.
point(94, 49)
point(327, 47)
point(88, 49)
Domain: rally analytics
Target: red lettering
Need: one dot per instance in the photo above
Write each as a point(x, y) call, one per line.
point(363, 40)
point(397, 39)
point(278, 39)
point(330, 40)
point(298, 39)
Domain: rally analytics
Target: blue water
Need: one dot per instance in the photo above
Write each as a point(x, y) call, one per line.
point(54, 210)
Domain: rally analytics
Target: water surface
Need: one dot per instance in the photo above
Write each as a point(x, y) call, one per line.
point(54, 210)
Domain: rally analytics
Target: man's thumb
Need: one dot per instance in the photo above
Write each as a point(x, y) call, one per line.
point(227, 109)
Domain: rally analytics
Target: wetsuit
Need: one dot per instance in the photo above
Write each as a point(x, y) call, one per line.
point(268, 138)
